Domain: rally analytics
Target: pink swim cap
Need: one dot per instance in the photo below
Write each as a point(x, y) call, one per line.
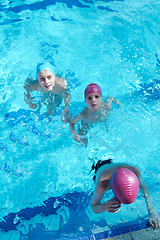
point(125, 185)
point(92, 88)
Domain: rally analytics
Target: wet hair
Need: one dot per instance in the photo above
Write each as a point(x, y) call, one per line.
point(99, 164)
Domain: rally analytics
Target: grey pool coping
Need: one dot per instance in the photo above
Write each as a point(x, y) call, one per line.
point(144, 234)
point(137, 230)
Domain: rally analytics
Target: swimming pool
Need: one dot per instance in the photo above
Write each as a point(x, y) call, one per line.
point(46, 187)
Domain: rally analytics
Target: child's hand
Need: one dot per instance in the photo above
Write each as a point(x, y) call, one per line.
point(76, 137)
point(154, 220)
point(33, 105)
point(28, 99)
point(84, 141)
point(113, 206)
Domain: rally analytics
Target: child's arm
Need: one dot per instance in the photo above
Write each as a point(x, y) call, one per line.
point(109, 100)
point(72, 123)
point(67, 96)
point(67, 99)
point(27, 96)
point(51, 108)
point(111, 205)
point(154, 218)
point(81, 136)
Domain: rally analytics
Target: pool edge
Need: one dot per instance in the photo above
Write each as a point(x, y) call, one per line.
point(144, 234)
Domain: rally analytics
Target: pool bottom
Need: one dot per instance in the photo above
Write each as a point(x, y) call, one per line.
point(134, 231)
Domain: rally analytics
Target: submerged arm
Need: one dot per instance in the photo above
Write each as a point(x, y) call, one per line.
point(154, 218)
point(66, 115)
point(67, 100)
point(110, 100)
point(27, 94)
point(72, 123)
point(51, 108)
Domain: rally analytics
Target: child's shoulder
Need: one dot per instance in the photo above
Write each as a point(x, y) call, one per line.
point(84, 111)
point(108, 99)
point(85, 114)
point(62, 82)
point(108, 102)
point(81, 116)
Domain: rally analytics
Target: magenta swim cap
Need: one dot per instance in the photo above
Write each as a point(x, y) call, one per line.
point(92, 88)
point(125, 185)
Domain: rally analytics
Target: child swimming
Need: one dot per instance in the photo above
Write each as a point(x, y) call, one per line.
point(53, 88)
point(96, 111)
point(103, 173)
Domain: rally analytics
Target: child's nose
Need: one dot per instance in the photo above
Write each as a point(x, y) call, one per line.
point(46, 80)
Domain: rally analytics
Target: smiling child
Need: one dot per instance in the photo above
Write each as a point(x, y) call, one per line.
point(53, 88)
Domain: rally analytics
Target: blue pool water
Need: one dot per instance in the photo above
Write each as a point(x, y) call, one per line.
point(46, 187)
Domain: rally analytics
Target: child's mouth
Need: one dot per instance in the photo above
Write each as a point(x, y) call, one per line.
point(48, 86)
point(94, 105)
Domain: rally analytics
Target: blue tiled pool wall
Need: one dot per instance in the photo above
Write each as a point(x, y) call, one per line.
point(77, 226)
point(46, 3)
point(40, 232)
point(76, 202)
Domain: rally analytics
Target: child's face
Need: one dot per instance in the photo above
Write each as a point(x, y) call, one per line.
point(94, 101)
point(47, 80)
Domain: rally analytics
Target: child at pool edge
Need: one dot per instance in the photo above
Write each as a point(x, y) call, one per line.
point(96, 111)
point(54, 89)
point(103, 173)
